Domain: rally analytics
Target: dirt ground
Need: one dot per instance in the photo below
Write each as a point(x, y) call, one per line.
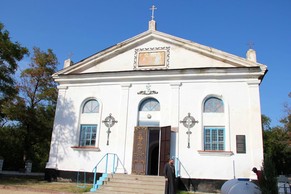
point(21, 190)
point(24, 191)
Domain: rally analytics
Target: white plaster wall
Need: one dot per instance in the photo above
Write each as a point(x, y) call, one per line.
point(219, 166)
point(177, 98)
point(241, 117)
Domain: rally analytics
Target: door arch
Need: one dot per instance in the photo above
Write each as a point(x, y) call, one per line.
point(149, 112)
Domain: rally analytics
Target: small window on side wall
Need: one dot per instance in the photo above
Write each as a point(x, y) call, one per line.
point(213, 105)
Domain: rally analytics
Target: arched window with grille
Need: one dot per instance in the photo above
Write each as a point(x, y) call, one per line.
point(149, 104)
point(91, 106)
point(213, 124)
point(149, 112)
point(89, 122)
point(213, 104)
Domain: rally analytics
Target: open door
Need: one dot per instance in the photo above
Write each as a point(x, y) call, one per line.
point(139, 155)
point(165, 146)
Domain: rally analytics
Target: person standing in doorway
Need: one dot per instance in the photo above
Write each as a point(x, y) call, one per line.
point(169, 172)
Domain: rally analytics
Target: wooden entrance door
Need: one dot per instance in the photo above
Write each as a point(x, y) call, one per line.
point(139, 155)
point(165, 146)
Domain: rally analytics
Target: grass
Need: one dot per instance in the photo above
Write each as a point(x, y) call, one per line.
point(38, 185)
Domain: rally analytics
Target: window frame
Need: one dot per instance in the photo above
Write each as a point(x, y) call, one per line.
point(86, 103)
point(146, 101)
point(82, 139)
point(214, 145)
point(211, 109)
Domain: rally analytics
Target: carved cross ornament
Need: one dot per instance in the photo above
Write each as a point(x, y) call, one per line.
point(109, 122)
point(189, 123)
point(148, 91)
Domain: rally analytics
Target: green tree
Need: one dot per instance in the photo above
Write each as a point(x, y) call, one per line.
point(277, 142)
point(10, 54)
point(268, 184)
point(286, 121)
point(33, 109)
point(276, 147)
point(266, 122)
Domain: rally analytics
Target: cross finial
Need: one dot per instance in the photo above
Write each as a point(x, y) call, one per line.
point(70, 55)
point(153, 11)
point(251, 44)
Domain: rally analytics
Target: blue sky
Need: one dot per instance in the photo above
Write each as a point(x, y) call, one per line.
point(80, 28)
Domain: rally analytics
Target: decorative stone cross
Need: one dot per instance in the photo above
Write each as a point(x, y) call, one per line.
point(153, 11)
point(189, 123)
point(109, 122)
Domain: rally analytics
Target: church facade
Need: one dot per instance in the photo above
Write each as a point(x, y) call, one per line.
point(156, 96)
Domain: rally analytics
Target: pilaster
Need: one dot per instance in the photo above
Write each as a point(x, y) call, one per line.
point(123, 118)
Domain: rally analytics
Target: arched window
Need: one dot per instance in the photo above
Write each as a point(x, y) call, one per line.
point(214, 124)
point(89, 123)
point(91, 106)
point(214, 105)
point(149, 104)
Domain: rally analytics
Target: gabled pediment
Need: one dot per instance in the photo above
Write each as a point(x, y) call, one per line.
point(152, 50)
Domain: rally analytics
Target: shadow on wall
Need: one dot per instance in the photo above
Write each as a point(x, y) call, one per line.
point(65, 133)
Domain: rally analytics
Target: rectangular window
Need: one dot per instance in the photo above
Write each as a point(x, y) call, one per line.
point(213, 138)
point(88, 135)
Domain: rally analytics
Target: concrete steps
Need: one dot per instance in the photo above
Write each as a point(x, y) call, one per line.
point(141, 184)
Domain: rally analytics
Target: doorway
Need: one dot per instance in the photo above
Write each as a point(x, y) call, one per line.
point(151, 150)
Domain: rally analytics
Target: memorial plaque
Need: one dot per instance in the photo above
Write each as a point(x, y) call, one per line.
point(241, 144)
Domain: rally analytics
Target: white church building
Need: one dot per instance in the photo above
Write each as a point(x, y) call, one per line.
point(156, 96)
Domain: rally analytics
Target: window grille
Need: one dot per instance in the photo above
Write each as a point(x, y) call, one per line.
point(213, 104)
point(214, 138)
point(91, 106)
point(88, 135)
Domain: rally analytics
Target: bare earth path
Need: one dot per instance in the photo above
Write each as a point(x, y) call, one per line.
point(17, 190)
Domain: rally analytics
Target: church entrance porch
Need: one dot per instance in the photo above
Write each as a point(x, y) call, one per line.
point(151, 150)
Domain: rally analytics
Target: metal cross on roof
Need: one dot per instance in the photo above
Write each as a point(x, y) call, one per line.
point(109, 122)
point(189, 122)
point(153, 11)
point(251, 44)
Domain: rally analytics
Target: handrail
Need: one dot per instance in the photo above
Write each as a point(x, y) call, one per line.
point(99, 162)
point(114, 162)
point(178, 165)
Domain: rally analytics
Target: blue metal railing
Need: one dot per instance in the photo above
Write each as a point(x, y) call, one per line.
point(81, 175)
point(115, 162)
point(178, 165)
